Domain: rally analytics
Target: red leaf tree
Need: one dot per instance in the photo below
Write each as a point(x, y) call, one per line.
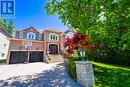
point(77, 42)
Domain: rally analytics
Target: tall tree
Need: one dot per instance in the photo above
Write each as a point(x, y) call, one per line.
point(90, 14)
point(106, 21)
point(7, 26)
point(10, 27)
point(3, 23)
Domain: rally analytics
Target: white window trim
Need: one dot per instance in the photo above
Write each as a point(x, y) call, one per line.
point(52, 37)
point(21, 35)
point(33, 34)
point(39, 37)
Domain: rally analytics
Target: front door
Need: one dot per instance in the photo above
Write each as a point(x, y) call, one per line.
point(53, 49)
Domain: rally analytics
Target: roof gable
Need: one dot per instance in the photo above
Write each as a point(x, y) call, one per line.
point(31, 29)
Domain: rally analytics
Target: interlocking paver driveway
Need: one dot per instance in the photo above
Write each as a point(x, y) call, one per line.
point(35, 75)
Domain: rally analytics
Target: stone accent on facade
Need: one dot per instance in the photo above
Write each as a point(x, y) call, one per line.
point(55, 58)
point(85, 75)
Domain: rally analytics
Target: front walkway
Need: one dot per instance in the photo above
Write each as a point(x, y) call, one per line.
point(35, 75)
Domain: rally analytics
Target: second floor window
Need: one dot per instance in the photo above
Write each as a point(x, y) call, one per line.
point(31, 36)
point(21, 35)
point(40, 37)
point(53, 36)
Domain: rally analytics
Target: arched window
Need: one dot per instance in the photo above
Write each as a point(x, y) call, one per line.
point(31, 36)
point(53, 36)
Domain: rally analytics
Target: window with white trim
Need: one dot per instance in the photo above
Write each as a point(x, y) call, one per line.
point(53, 36)
point(31, 36)
point(40, 37)
point(21, 35)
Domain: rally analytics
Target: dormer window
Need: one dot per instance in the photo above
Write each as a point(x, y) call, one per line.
point(21, 35)
point(31, 36)
point(53, 36)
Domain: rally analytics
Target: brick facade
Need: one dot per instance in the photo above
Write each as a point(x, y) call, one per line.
point(16, 43)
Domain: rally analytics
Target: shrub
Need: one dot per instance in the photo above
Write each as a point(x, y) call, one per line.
point(3, 61)
point(71, 67)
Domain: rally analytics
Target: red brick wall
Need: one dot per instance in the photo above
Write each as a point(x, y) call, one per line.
point(17, 45)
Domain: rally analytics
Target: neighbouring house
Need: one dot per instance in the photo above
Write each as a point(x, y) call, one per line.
point(4, 43)
point(29, 45)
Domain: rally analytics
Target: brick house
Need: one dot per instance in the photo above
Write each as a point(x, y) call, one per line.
point(29, 45)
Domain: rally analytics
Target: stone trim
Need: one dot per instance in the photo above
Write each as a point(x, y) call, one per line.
point(25, 40)
point(83, 62)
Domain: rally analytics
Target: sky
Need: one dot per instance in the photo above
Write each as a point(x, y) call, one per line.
point(32, 13)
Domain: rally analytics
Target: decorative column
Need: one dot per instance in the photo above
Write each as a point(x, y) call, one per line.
point(85, 76)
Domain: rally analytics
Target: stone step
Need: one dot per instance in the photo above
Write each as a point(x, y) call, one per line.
point(55, 58)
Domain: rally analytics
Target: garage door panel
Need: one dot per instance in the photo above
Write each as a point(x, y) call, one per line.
point(36, 56)
point(18, 57)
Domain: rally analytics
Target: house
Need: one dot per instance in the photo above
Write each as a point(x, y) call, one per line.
point(29, 45)
point(4, 43)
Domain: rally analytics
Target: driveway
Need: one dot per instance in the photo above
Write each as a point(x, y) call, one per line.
point(35, 75)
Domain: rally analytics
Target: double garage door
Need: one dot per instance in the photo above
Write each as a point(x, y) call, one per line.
point(24, 56)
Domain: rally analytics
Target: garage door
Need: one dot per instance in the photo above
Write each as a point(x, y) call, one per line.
point(18, 57)
point(36, 56)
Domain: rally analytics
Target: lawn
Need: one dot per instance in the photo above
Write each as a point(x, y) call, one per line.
point(111, 75)
point(106, 75)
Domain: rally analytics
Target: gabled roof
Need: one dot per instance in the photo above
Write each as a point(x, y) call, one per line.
point(53, 30)
point(31, 28)
point(46, 29)
point(3, 31)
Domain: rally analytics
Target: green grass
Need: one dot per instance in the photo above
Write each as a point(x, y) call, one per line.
point(111, 75)
point(106, 75)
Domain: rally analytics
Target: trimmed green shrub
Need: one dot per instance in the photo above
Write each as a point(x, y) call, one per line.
point(3, 61)
point(71, 67)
